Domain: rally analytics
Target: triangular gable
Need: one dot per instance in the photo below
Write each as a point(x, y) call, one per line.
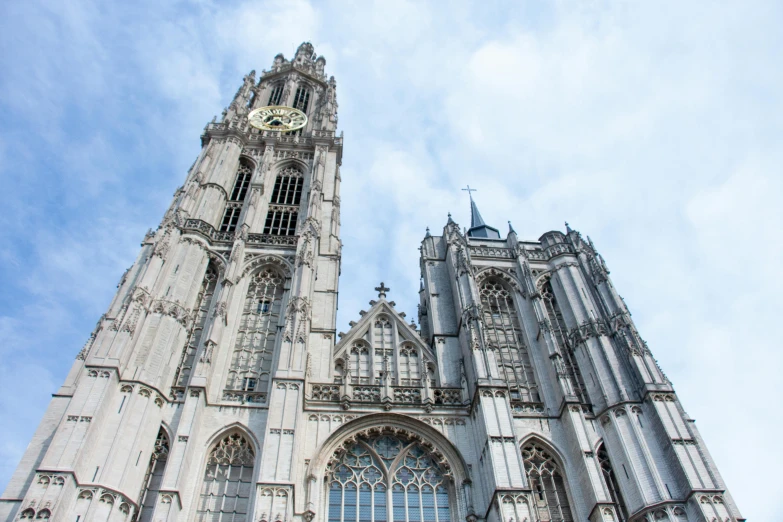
point(359, 331)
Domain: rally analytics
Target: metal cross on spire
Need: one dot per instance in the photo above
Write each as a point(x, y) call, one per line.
point(382, 290)
point(469, 190)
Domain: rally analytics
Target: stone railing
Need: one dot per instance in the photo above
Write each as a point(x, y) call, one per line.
point(487, 251)
point(325, 392)
point(208, 231)
point(244, 397)
point(448, 396)
point(523, 408)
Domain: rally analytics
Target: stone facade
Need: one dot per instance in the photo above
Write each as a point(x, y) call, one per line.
point(216, 387)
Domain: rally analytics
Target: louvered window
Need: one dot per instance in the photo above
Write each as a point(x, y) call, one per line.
point(284, 205)
point(276, 94)
point(611, 482)
point(302, 99)
point(154, 477)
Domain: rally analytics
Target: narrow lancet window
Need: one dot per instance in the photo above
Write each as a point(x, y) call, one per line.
point(611, 482)
point(203, 302)
point(228, 480)
point(276, 94)
point(559, 331)
point(547, 483)
point(503, 334)
point(237, 196)
point(302, 99)
point(154, 477)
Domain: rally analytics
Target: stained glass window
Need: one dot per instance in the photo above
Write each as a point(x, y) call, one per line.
point(387, 478)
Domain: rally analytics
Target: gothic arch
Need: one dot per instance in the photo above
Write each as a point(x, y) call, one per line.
point(280, 166)
point(548, 444)
point(258, 263)
point(253, 164)
point(442, 454)
point(560, 464)
point(228, 472)
point(216, 186)
point(449, 455)
point(502, 275)
point(234, 427)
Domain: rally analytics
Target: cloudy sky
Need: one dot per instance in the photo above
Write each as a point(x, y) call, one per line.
point(653, 127)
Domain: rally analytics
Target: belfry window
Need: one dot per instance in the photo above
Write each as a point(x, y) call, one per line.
point(503, 334)
point(251, 362)
point(302, 99)
point(559, 330)
point(284, 204)
point(228, 480)
point(237, 196)
point(276, 94)
point(387, 478)
point(288, 187)
point(546, 480)
point(154, 477)
point(611, 482)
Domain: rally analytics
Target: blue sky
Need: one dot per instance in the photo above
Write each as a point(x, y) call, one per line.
point(653, 127)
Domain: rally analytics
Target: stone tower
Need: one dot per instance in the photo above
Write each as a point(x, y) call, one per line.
point(215, 387)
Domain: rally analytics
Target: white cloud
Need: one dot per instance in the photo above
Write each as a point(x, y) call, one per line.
point(654, 128)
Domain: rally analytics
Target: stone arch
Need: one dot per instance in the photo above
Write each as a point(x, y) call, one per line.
point(415, 429)
point(234, 427)
point(499, 274)
point(225, 468)
point(417, 434)
point(548, 444)
point(560, 462)
point(249, 159)
point(257, 263)
point(278, 166)
point(542, 279)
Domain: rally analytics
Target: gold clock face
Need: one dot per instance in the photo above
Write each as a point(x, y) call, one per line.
point(277, 118)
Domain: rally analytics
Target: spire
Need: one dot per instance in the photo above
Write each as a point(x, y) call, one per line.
point(477, 226)
point(511, 228)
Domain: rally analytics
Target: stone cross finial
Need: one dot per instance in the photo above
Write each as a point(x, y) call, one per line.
point(469, 190)
point(382, 290)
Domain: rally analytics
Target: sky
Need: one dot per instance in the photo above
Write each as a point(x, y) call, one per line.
point(653, 127)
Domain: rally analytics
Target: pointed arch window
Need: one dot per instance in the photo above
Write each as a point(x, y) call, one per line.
point(360, 363)
point(284, 204)
point(410, 369)
point(237, 196)
point(503, 333)
point(611, 482)
point(302, 99)
point(276, 94)
point(387, 478)
point(559, 331)
point(203, 301)
point(228, 480)
point(154, 477)
point(251, 362)
point(550, 499)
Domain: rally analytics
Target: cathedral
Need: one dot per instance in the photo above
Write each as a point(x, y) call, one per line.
point(217, 388)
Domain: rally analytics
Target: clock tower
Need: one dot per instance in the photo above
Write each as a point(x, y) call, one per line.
point(216, 387)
